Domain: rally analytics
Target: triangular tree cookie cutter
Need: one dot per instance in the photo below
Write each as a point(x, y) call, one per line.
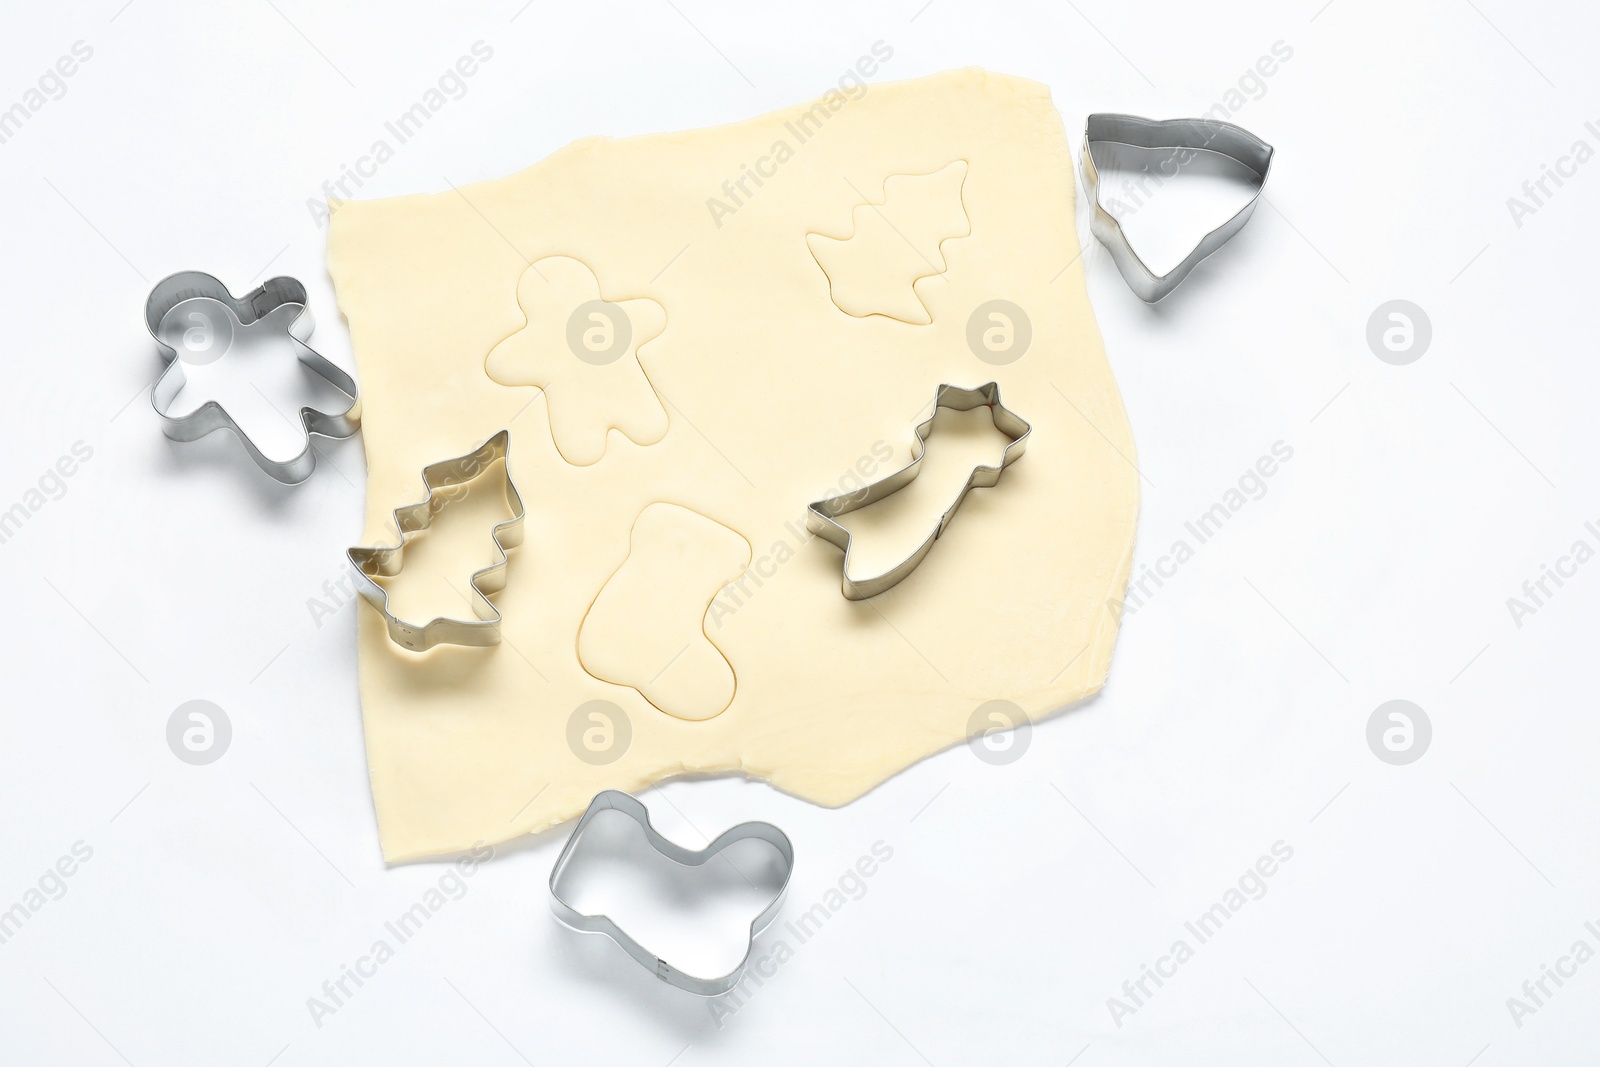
point(386, 560)
point(1190, 135)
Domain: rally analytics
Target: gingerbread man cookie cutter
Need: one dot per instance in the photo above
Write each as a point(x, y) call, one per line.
point(209, 417)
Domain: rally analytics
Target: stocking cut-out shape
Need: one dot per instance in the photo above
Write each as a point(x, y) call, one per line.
point(646, 628)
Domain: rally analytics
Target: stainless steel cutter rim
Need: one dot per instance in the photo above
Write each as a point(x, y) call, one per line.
point(821, 514)
point(1200, 135)
point(277, 292)
point(616, 800)
point(387, 560)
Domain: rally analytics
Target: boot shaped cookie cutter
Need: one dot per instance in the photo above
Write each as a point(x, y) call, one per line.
point(386, 560)
point(1186, 135)
point(614, 800)
point(277, 292)
point(821, 515)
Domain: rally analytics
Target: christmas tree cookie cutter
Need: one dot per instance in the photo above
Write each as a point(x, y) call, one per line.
point(387, 560)
point(821, 516)
point(1185, 135)
point(277, 292)
point(614, 800)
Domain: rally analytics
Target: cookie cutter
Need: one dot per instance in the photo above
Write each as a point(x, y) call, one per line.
point(1188, 135)
point(386, 560)
point(615, 800)
point(821, 514)
point(281, 291)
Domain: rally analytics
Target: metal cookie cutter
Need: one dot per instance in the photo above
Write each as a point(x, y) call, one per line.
point(275, 293)
point(820, 515)
point(600, 924)
point(386, 560)
point(1191, 135)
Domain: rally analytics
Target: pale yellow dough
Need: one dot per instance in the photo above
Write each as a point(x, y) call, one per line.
point(774, 395)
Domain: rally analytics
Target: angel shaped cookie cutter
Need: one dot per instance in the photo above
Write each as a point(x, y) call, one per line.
point(822, 515)
point(281, 291)
point(387, 560)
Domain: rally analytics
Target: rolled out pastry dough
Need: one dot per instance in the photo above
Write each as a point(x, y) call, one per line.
point(781, 383)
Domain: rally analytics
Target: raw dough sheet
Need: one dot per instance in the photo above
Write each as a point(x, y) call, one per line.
point(780, 336)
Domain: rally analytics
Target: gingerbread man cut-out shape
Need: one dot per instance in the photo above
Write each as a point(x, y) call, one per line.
point(583, 351)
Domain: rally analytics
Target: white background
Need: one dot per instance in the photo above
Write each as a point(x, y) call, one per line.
point(1019, 899)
